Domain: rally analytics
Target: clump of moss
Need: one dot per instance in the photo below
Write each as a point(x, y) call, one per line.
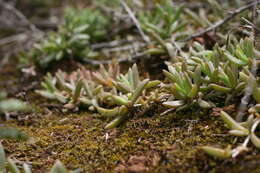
point(81, 141)
point(8, 164)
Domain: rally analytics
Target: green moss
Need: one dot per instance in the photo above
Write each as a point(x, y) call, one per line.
point(80, 141)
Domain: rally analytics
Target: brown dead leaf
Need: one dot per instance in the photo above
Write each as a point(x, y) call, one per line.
point(229, 109)
point(139, 164)
point(137, 168)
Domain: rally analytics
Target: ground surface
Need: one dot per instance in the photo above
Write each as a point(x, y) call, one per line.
point(152, 143)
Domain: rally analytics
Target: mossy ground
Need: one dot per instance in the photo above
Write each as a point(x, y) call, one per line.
point(151, 143)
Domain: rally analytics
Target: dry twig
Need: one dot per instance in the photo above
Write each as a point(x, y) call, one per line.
point(120, 60)
point(20, 15)
point(222, 22)
point(136, 22)
point(22, 40)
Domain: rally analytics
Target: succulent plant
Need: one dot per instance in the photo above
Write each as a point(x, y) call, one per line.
point(242, 129)
point(128, 95)
point(11, 105)
point(220, 75)
point(12, 133)
point(86, 21)
point(51, 91)
point(9, 165)
point(236, 129)
point(129, 82)
point(228, 80)
point(185, 88)
point(200, 74)
point(7, 106)
point(60, 45)
point(241, 53)
point(73, 90)
point(122, 92)
point(202, 18)
point(163, 20)
point(218, 152)
point(234, 76)
point(255, 88)
point(107, 76)
point(220, 69)
point(72, 40)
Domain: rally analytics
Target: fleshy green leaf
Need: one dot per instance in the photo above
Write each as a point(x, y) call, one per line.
point(174, 104)
point(12, 133)
point(138, 91)
point(217, 152)
point(2, 159)
point(58, 168)
point(119, 119)
point(152, 84)
point(238, 133)
point(26, 168)
point(232, 124)
point(220, 88)
point(255, 140)
point(108, 112)
point(77, 91)
point(204, 104)
point(10, 105)
point(12, 166)
point(234, 59)
point(120, 100)
point(135, 72)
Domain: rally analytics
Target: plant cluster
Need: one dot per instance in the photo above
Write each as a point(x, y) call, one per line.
point(108, 88)
point(164, 20)
point(73, 38)
point(198, 77)
point(239, 129)
point(203, 18)
point(201, 74)
point(76, 89)
point(86, 21)
point(128, 94)
point(8, 105)
point(195, 78)
point(185, 88)
point(205, 73)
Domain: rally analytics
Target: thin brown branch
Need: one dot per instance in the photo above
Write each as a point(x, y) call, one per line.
point(222, 22)
point(20, 15)
point(110, 44)
point(136, 22)
point(120, 60)
point(13, 38)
